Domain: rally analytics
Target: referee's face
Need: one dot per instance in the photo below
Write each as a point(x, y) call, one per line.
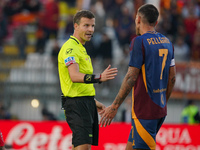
point(85, 29)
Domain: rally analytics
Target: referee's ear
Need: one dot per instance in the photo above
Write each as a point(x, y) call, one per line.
point(75, 26)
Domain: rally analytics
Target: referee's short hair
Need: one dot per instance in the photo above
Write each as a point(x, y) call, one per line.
point(149, 14)
point(82, 14)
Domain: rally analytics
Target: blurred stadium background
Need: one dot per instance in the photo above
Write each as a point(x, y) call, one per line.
point(32, 31)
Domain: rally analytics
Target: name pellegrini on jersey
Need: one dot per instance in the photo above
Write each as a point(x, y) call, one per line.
point(158, 40)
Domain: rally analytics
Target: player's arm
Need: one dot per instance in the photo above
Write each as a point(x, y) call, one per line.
point(76, 76)
point(128, 83)
point(171, 81)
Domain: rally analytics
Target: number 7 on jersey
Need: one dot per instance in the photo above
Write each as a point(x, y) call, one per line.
point(161, 53)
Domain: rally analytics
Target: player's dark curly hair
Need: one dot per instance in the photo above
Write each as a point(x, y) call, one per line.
point(82, 13)
point(150, 13)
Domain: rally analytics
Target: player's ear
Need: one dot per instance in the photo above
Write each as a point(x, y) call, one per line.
point(138, 19)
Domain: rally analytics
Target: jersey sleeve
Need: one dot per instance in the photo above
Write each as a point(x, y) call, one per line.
point(70, 56)
point(136, 54)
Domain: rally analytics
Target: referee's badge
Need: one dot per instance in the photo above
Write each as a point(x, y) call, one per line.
point(69, 51)
point(89, 78)
point(69, 61)
point(88, 59)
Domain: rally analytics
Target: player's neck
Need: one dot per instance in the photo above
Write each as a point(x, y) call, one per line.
point(147, 29)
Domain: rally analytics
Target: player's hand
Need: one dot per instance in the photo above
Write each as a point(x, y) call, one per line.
point(107, 115)
point(108, 74)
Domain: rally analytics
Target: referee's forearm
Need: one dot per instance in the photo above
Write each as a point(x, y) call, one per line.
point(77, 78)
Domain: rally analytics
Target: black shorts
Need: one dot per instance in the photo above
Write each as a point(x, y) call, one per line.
point(81, 115)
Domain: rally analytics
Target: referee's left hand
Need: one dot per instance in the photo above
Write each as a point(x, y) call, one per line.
point(107, 115)
point(108, 74)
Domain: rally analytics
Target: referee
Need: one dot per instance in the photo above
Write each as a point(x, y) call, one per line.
point(76, 80)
